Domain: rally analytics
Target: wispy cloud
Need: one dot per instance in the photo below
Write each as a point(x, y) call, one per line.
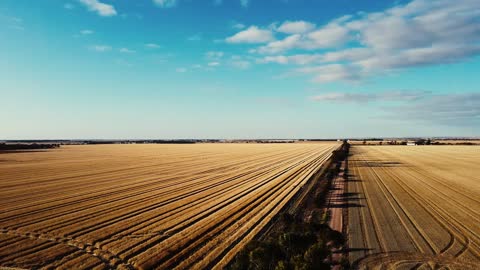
point(100, 48)
point(238, 26)
point(165, 3)
point(126, 50)
point(12, 22)
point(86, 32)
point(298, 59)
point(152, 46)
point(100, 8)
point(372, 97)
point(172, 3)
point(213, 64)
point(252, 35)
point(415, 106)
point(181, 70)
point(446, 109)
point(333, 72)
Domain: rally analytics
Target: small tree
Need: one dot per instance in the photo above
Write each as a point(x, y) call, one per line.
point(420, 142)
point(315, 256)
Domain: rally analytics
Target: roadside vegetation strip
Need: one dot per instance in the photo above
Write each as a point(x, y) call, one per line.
point(423, 195)
point(135, 206)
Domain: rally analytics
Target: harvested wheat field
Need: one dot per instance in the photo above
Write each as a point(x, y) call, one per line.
point(145, 206)
point(414, 207)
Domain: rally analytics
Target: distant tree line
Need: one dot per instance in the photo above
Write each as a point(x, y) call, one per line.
point(24, 146)
point(140, 142)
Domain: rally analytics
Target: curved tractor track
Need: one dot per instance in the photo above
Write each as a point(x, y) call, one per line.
point(145, 206)
point(414, 207)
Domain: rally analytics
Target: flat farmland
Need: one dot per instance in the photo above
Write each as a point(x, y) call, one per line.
point(414, 207)
point(145, 206)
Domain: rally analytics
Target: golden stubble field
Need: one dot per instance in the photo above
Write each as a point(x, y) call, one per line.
point(414, 207)
point(145, 206)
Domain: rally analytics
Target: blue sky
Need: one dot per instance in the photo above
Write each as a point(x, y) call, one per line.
point(239, 69)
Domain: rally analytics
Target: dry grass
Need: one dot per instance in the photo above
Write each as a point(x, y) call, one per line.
point(145, 206)
point(415, 207)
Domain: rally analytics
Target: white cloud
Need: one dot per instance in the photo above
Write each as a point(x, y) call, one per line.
point(253, 34)
point(165, 3)
point(299, 59)
point(152, 45)
point(420, 33)
point(333, 72)
point(277, 46)
point(279, 59)
point(343, 97)
point(353, 54)
point(100, 48)
point(244, 3)
point(126, 50)
point(100, 8)
point(181, 70)
point(295, 27)
point(213, 64)
point(332, 35)
point(86, 32)
point(437, 54)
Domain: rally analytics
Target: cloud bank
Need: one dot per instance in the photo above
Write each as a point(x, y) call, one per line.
point(352, 47)
point(416, 106)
